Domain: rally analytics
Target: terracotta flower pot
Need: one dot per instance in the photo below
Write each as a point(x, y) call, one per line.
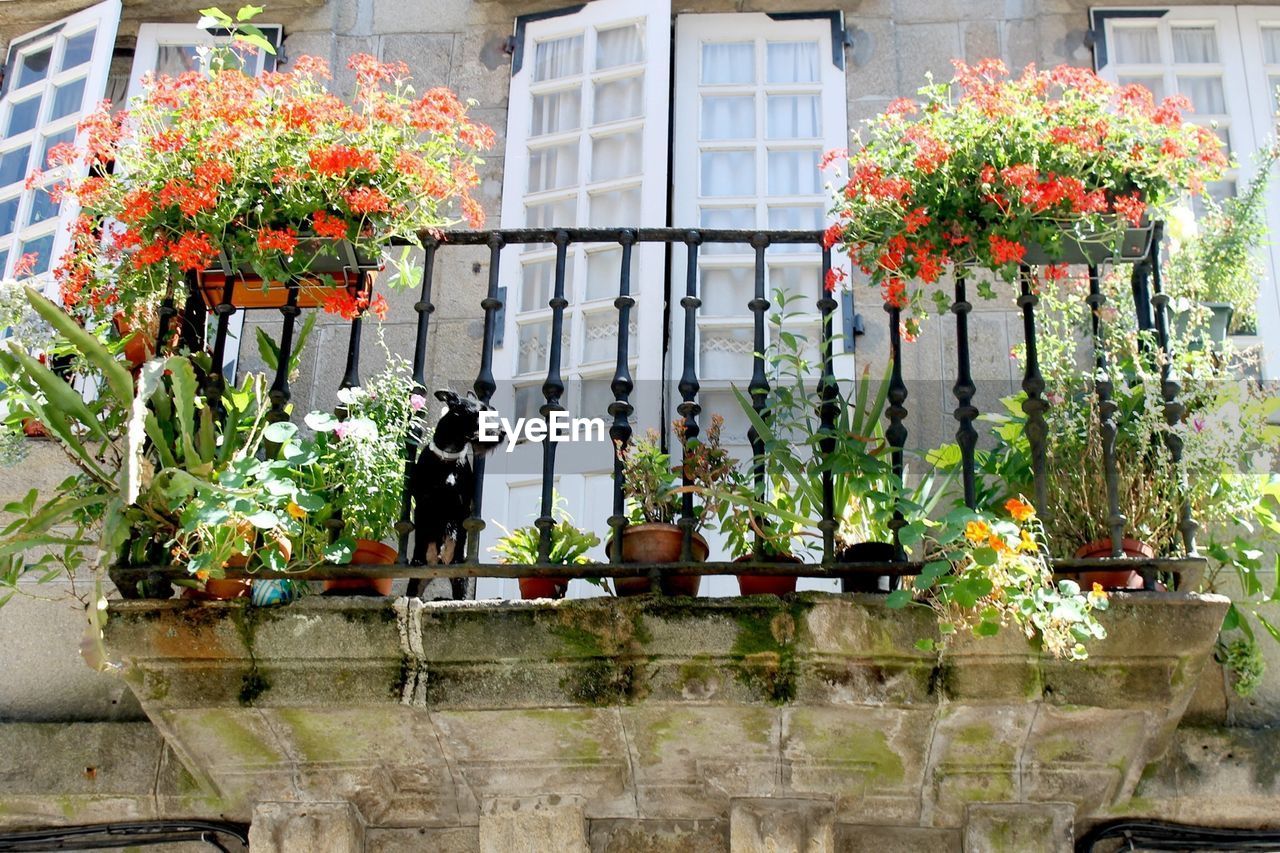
point(866, 552)
point(368, 553)
point(335, 266)
point(219, 589)
point(767, 584)
point(139, 341)
point(659, 544)
point(531, 588)
point(1119, 578)
point(34, 428)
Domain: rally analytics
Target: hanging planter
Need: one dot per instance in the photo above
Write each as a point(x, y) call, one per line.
point(1084, 243)
point(334, 268)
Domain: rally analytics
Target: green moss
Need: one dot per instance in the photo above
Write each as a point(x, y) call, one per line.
point(237, 740)
point(605, 651)
point(763, 657)
point(247, 620)
point(942, 680)
point(854, 745)
point(993, 788)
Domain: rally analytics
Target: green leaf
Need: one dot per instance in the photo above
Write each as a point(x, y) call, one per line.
point(1271, 629)
point(279, 433)
point(340, 551)
point(58, 393)
point(986, 629)
point(249, 12)
point(898, 598)
point(216, 15)
point(264, 519)
point(182, 379)
point(119, 380)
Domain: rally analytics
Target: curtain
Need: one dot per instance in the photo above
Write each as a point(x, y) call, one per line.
point(553, 168)
point(728, 63)
point(1195, 44)
point(556, 112)
point(616, 156)
point(620, 46)
point(557, 58)
point(618, 99)
point(1207, 97)
point(728, 173)
point(620, 207)
point(729, 218)
point(728, 117)
point(1271, 46)
point(1154, 83)
point(794, 117)
point(794, 173)
point(1137, 45)
point(791, 62)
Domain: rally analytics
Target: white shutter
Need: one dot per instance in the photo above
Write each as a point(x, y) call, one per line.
point(53, 76)
point(758, 101)
point(586, 146)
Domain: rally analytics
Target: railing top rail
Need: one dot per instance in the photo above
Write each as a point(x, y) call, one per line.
point(613, 235)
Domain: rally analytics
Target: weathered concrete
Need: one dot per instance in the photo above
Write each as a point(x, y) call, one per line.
point(533, 824)
point(314, 827)
point(1015, 827)
point(769, 825)
point(418, 713)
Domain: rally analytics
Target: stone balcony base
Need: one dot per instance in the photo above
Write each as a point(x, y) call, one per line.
point(654, 709)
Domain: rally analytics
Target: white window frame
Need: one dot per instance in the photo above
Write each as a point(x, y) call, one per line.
point(103, 18)
point(1246, 98)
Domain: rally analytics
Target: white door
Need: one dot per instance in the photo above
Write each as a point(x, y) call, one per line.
point(587, 146)
point(53, 77)
point(758, 101)
point(1197, 51)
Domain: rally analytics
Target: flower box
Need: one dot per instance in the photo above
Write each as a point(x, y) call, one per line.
point(1085, 246)
point(336, 265)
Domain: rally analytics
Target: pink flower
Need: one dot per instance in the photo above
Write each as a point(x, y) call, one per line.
point(417, 401)
point(340, 431)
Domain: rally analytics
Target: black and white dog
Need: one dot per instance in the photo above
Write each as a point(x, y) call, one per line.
point(443, 486)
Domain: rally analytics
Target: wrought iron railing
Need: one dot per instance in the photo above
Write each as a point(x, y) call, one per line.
point(1151, 305)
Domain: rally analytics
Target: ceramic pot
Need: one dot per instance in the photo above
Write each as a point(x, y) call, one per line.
point(368, 553)
point(659, 544)
point(1119, 578)
point(531, 588)
point(767, 584)
point(867, 552)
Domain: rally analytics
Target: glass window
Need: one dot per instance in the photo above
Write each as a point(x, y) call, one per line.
point(1271, 45)
point(1195, 44)
point(791, 62)
point(728, 117)
point(23, 115)
point(67, 99)
point(794, 173)
point(553, 168)
point(728, 63)
point(79, 50)
point(1205, 93)
point(34, 67)
point(794, 117)
point(43, 207)
point(42, 248)
point(68, 135)
point(8, 216)
point(618, 99)
point(13, 165)
point(556, 112)
point(620, 207)
point(1153, 82)
point(620, 46)
point(728, 173)
point(557, 58)
point(1137, 45)
point(616, 156)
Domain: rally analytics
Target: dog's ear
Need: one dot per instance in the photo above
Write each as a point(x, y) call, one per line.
point(471, 395)
point(444, 395)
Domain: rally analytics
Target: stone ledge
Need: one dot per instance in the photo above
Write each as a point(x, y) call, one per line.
point(655, 708)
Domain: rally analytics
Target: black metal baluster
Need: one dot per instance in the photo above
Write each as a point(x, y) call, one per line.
point(828, 394)
point(191, 330)
point(758, 387)
point(418, 418)
point(1139, 282)
point(964, 389)
point(484, 387)
point(622, 385)
point(1174, 411)
point(688, 387)
point(896, 413)
point(280, 392)
point(351, 376)
point(168, 312)
point(215, 383)
point(1035, 405)
point(552, 389)
point(1107, 409)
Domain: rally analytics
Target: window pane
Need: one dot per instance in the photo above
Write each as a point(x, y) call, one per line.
point(618, 99)
point(791, 62)
point(620, 207)
point(1154, 83)
point(556, 112)
point(68, 135)
point(804, 283)
point(553, 168)
point(1219, 191)
point(604, 271)
point(794, 116)
point(620, 46)
point(1137, 45)
point(793, 218)
point(557, 58)
point(728, 173)
point(728, 63)
point(4, 260)
point(78, 51)
point(552, 214)
point(534, 346)
point(729, 219)
point(1271, 45)
point(33, 67)
point(601, 343)
point(43, 207)
point(1195, 44)
point(42, 247)
point(1206, 94)
point(726, 292)
point(727, 353)
point(794, 173)
point(8, 215)
point(67, 99)
point(13, 165)
point(537, 281)
point(1274, 82)
point(22, 116)
point(616, 156)
point(728, 118)
point(175, 59)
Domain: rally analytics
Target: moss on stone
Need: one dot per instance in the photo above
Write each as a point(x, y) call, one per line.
point(605, 650)
point(763, 657)
point(853, 745)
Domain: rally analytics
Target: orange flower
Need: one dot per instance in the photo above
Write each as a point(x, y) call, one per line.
point(329, 226)
point(1020, 510)
point(977, 531)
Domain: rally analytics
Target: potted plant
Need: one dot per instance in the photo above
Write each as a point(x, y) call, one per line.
point(1214, 265)
point(358, 468)
point(745, 519)
point(256, 186)
point(653, 487)
point(992, 172)
point(569, 547)
point(984, 571)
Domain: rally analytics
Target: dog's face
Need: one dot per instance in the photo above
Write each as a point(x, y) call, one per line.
point(459, 424)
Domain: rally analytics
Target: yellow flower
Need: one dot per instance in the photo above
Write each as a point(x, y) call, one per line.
point(296, 511)
point(1026, 542)
point(1020, 510)
point(977, 531)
